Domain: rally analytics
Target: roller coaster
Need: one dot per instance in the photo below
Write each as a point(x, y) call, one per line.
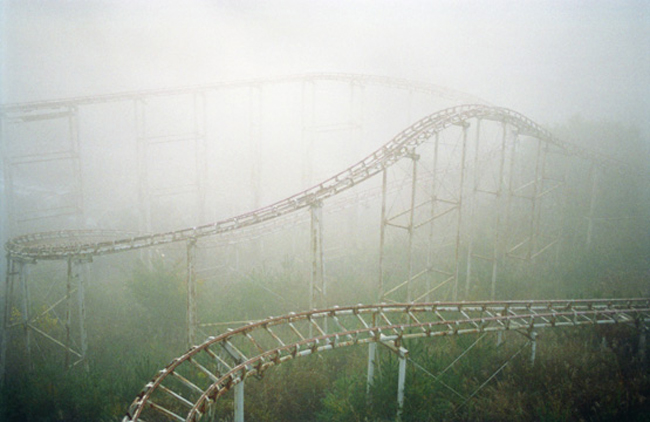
point(452, 214)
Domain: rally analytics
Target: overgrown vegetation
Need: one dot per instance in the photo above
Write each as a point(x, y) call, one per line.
point(579, 374)
point(136, 324)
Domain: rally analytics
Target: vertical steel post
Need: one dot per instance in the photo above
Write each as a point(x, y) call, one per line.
point(539, 198)
point(533, 203)
point(81, 304)
point(73, 123)
point(317, 290)
point(473, 205)
point(191, 293)
point(6, 316)
point(372, 357)
point(499, 209)
point(68, 312)
point(461, 186)
point(434, 198)
point(414, 157)
point(511, 179)
point(25, 309)
point(356, 142)
point(401, 379)
point(239, 401)
point(382, 234)
point(533, 347)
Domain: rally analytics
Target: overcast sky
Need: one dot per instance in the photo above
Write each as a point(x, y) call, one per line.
point(546, 59)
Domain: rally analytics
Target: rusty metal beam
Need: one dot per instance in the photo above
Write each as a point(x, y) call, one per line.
point(366, 324)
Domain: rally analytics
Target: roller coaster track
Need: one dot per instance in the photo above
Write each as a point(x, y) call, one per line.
point(66, 244)
point(186, 389)
point(384, 81)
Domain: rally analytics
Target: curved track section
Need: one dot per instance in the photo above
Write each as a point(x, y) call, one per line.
point(66, 244)
point(187, 388)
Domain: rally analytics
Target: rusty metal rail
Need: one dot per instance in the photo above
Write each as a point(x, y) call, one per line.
point(66, 244)
point(353, 78)
point(189, 386)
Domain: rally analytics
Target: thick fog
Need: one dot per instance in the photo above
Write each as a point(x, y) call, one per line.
point(547, 59)
point(173, 168)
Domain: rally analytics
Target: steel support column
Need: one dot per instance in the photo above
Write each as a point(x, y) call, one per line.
point(432, 217)
point(372, 361)
point(239, 402)
point(497, 223)
point(68, 310)
point(470, 224)
point(461, 187)
point(533, 347)
point(191, 293)
point(411, 226)
point(73, 121)
point(74, 280)
point(11, 274)
point(317, 297)
point(382, 234)
point(81, 310)
point(25, 308)
point(534, 200)
point(401, 379)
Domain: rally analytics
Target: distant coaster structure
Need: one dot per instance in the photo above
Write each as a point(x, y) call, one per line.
point(454, 196)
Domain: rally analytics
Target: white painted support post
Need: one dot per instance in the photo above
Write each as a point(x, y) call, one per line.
point(497, 223)
point(6, 316)
point(25, 308)
point(372, 357)
point(533, 347)
point(434, 199)
point(414, 157)
point(317, 290)
point(191, 293)
point(73, 124)
point(382, 235)
point(401, 379)
point(81, 307)
point(534, 202)
point(68, 312)
point(459, 223)
point(472, 210)
point(239, 402)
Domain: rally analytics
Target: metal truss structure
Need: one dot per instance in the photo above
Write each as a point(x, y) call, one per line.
point(186, 389)
point(466, 188)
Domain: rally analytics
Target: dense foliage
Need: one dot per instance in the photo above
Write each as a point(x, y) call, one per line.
point(580, 374)
point(136, 325)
